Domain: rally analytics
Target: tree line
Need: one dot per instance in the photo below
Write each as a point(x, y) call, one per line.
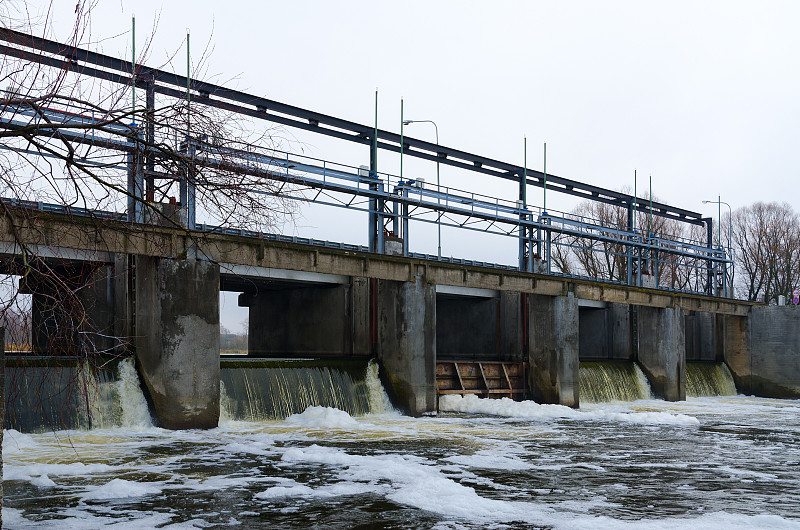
point(763, 239)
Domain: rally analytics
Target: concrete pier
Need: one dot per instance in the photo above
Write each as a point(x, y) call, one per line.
point(177, 340)
point(553, 350)
point(406, 341)
point(662, 350)
point(763, 351)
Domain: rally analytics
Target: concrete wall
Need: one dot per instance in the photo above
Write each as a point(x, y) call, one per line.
point(605, 333)
point(177, 340)
point(72, 310)
point(662, 347)
point(467, 327)
point(479, 328)
point(553, 349)
point(406, 341)
point(309, 320)
point(763, 351)
point(701, 336)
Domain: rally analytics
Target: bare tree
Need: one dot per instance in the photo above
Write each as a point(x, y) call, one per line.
point(608, 258)
point(766, 237)
point(75, 140)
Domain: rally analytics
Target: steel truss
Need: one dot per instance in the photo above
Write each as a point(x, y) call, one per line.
point(389, 201)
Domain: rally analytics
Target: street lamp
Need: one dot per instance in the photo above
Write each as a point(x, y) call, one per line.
point(719, 202)
point(438, 188)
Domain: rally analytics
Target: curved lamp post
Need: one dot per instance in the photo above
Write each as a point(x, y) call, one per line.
point(719, 202)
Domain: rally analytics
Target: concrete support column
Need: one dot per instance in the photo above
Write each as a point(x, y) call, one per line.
point(662, 350)
point(177, 340)
point(406, 341)
point(553, 350)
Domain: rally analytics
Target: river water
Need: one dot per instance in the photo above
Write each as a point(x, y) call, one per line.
point(712, 462)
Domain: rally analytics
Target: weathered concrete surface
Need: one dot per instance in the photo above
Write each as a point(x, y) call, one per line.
point(61, 235)
point(177, 340)
point(511, 327)
point(662, 348)
point(328, 320)
point(467, 327)
point(701, 336)
point(406, 342)
point(553, 350)
point(605, 333)
point(763, 351)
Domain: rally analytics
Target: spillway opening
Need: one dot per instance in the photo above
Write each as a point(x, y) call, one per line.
point(51, 394)
point(602, 382)
point(274, 389)
point(709, 379)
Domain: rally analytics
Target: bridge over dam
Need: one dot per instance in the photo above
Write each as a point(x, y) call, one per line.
point(479, 329)
point(136, 263)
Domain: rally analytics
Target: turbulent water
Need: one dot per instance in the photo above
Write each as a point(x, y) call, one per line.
point(709, 379)
point(717, 462)
point(601, 382)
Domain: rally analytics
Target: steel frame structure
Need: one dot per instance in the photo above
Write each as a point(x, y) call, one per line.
point(391, 202)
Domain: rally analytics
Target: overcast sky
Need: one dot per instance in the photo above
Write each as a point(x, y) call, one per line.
point(703, 96)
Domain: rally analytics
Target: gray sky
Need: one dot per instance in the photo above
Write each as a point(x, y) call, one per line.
point(700, 95)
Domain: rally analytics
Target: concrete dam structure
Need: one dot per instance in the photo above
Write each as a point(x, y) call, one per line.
point(144, 279)
point(433, 327)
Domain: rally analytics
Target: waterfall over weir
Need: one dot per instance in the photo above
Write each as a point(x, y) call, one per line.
point(265, 389)
point(709, 379)
point(51, 394)
point(612, 381)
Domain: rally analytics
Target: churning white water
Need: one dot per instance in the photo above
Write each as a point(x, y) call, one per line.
point(718, 462)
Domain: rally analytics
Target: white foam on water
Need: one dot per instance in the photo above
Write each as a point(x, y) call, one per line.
point(15, 441)
point(33, 472)
point(415, 482)
point(122, 489)
point(316, 417)
point(709, 521)
point(274, 492)
point(489, 460)
point(532, 410)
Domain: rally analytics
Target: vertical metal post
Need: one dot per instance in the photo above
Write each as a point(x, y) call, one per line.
point(190, 193)
point(133, 68)
point(136, 181)
point(710, 244)
point(404, 222)
point(372, 220)
point(524, 202)
point(150, 163)
point(380, 204)
point(630, 248)
point(544, 192)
